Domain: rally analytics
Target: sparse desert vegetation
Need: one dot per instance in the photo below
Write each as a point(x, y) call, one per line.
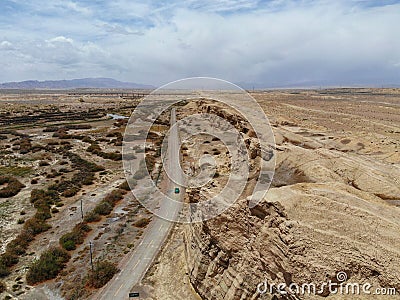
point(54, 156)
point(62, 186)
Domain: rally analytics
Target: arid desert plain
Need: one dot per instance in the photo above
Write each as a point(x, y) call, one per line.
point(333, 205)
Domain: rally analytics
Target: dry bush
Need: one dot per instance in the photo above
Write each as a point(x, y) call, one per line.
point(84, 176)
point(70, 192)
point(53, 143)
point(12, 188)
point(78, 126)
point(125, 186)
point(104, 208)
point(95, 149)
point(87, 139)
point(43, 163)
point(50, 129)
point(42, 200)
point(25, 145)
point(143, 222)
point(4, 271)
point(36, 226)
point(150, 162)
point(92, 217)
point(106, 205)
point(102, 273)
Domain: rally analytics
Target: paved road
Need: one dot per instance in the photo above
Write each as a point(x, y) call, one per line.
point(136, 264)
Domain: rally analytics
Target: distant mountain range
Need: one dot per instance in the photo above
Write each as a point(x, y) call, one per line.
point(109, 83)
point(73, 84)
point(315, 85)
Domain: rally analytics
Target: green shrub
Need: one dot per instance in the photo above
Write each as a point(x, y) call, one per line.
point(36, 226)
point(76, 237)
point(50, 263)
point(104, 208)
point(43, 196)
point(15, 171)
point(114, 196)
point(14, 248)
point(92, 217)
point(20, 244)
point(8, 259)
point(42, 213)
point(101, 274)
point(69, 245)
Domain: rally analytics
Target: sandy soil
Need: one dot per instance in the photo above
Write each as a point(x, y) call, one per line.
point(337, 181)
point(336, 193)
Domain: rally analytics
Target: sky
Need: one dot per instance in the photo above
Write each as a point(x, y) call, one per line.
point(249, 42)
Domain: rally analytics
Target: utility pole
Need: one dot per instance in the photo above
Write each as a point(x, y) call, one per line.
point(81, 209)
point(91, 254)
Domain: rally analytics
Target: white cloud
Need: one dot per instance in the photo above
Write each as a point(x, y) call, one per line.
point(6, 45)
point(115, 28)
point(242, 41)
point(77, 8)
point(61, 39)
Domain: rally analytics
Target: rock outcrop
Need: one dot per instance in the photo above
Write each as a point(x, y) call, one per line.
point(327, 212)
